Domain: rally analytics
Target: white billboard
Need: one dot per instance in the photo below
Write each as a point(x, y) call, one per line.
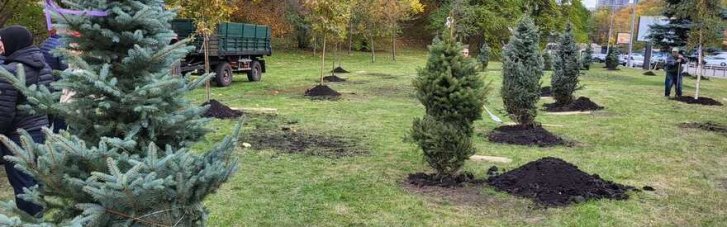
point(645, 23)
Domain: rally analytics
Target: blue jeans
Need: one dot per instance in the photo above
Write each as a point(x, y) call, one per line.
point(673, 79)
point(18, 179)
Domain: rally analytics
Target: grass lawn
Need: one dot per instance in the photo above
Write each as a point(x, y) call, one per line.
point(635, 141)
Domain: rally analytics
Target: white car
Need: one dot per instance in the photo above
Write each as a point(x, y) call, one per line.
point(637, 61)
point(716, 61)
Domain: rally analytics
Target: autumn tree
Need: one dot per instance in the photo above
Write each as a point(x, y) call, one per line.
point(328, 18)
point(396, 11)
point(206, 15)
point(26, 13)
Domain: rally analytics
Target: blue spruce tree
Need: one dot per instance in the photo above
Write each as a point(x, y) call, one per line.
point(125, 160)
point(522, 68)
point(567, 68)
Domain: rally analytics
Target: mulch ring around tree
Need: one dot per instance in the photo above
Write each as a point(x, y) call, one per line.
point(322, 92)
point(580, 104)
point(425, 179)
point(701, 101)
point(333, 78)
point(707, 126)
point(525, 135)
point(546, 91)
point(339, 70)
point(292, 141)
point(220, 111)
point(552, 182)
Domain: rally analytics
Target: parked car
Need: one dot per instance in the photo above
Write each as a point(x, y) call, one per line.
point(601, 58)
point(715, 61)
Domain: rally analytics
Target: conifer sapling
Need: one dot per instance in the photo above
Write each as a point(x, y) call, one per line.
point(567, 68)
point(522, 70)
point(484, 56)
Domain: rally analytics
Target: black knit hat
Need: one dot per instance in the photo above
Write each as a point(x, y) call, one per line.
point(15, 38)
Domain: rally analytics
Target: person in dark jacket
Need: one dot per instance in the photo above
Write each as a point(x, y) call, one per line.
point(673, 73)
point(55, 63)
point(18, 49)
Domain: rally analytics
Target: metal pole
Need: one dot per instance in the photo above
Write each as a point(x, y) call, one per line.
point(631, 41)
point(610, 29)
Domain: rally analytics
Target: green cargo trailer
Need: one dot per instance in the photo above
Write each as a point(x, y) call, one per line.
point(235, 47)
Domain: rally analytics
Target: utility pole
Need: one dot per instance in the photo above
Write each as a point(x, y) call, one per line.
point(631, 40)
point(610, 29)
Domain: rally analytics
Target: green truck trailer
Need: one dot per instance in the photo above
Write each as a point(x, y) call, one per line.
point(235, 47)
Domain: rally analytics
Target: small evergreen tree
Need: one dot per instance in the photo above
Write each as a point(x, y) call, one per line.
point(567, 68)
point(587, 59)
point(125, 160)
point(453, 94)
point(547, 61)
point(612, 59)
point(522, 70)
point(484, 56)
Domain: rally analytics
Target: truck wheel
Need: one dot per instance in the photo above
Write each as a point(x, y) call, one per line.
point(256, 72)
point(223, 76)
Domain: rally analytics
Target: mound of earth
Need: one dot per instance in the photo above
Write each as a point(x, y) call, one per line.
point(708, 126)
point(580, 104)
point(649, 73)
point(333, 78)
point(322, 91)
point(294, 142)
point(339, 70)
point(525, 135)
point(554, 182)
point(424, 179)
point(546, 91)
point(220, 111)
point(701, 101)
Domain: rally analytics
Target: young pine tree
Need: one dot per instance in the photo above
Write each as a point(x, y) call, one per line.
point(126, 159)
point(522, 70)
point(612, 59)
point(587, 58)
point(484, 56)
point(547, 61)
point(567, 68)
point(453, 95)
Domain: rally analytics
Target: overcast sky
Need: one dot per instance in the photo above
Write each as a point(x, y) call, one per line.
point(590, 3)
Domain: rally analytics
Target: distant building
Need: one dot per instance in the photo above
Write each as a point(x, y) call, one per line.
point(614, 3)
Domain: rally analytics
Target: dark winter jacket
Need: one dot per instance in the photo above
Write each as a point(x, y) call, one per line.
point(55, 63)
point(672, 66)
point(36, 72)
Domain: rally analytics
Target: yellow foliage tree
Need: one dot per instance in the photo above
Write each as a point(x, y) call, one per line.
point(328, 18)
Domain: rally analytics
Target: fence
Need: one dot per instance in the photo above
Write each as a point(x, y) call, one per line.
point(711, 71)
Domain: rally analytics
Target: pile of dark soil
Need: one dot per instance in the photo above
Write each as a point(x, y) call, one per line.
point(424, 179)
point(333, 78)
point(580, 104)
point(339, 70)
point(546, 91)
point(322, 91)
point(295, 142)
point(649, 73)
point(707, 126)
point(220, 111)
point(525, 135)
point(701, 101)
point(554, 182)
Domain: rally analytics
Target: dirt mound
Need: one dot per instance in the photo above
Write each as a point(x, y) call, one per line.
point(580, 104)
point(220, 111)
point(333, 78)
point(554, 182)
point(701, 101)
point(525, 135)
point(424, 179)
point(291, 141)
point(708, 126)
point(649, 73)
point(339, 70)
point(546, 92)
point(322, 91)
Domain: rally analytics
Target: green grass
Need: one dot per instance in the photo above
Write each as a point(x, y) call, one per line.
point(635, 141)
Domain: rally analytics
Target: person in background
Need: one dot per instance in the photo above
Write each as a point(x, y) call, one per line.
point(56, 63)
point(16, 45)
point(673, 72)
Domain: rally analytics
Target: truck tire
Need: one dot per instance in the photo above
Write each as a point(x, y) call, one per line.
point(256, 72)
point(223, 74)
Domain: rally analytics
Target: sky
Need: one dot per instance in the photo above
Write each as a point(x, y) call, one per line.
point(590, 3)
